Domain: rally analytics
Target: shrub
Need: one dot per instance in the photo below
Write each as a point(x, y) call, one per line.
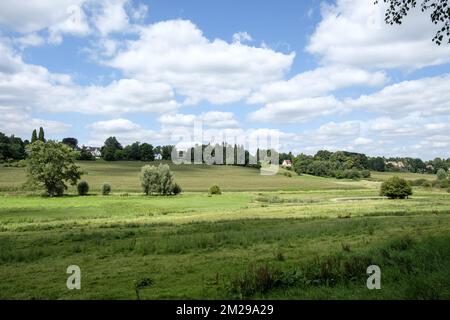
point(157, 180)
point(441, 174)
point(419, 182)
point(288, 174)
point(106, 189)
point(353, 174)
point(365, 174)
point(83, 188)
point(215, 189)
point(255, 280)
point(339, 174)
point(176, 189)
point(441, 183)
point(396, 188)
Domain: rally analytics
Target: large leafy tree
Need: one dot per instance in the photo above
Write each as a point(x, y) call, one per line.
point(11, 148)
point(146, 152)
point(112, 149)
point(71, 142)
point(51, 165)
point(439, 11)
point(396, 188)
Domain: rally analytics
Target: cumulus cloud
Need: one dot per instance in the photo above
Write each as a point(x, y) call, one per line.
point(31, 16)
point(177, 53)
point(317, 82)
point(300, 110)
point(124, 130)
point(242, 36)
point(19, 122)
point(424, 97)
point(111, 16)
point(353, 32)
point(212, 119)
point(30, 86)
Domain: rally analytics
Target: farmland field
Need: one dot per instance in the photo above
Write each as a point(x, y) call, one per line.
point(315, 235)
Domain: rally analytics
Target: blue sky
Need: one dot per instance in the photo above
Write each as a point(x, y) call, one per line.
point(318, 74)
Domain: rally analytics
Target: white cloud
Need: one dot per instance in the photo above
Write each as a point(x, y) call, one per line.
point(30, 40)
point(212, 119)
point(20, 123)
point(424, 97)
point(242, 36)
point(300, 110)
point(124, 130)
point(362, 141)
point(111, 16)
point(317, 82)
point(353, 32)
point(31, 16)
point(177, 53)
point(124, 96)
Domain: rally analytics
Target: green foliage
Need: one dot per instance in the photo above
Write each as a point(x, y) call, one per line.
point(111, 150)
point(255, 280)
point(41, 136)
point(34, 136)
point(397, 10)
point(83, 188)
point(71, 142)
point(215, 190)
point(396, 188)
point(365, 174)
point(85, 155)
point(176, 189)
point(106, 189)
point(11, 148)
point(157, 180)
point(146, 152)
point(442, 174)
point(51, 165)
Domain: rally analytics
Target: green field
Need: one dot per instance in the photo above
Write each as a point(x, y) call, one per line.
point(315, 236)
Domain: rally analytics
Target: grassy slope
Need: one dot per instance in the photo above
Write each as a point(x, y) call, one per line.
point(124, 177)
point(193, 245)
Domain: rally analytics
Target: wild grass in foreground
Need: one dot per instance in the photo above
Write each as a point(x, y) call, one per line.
point(194, 246)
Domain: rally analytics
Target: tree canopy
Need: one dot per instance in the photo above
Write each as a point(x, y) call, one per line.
point(51, 165)
point(439, 10)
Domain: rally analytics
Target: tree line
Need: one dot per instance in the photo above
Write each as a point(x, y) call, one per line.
point(340, 164)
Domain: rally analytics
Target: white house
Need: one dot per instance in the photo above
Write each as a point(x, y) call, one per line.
point(158, 156)
point(287, 164)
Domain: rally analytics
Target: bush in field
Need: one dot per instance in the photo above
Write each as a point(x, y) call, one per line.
point(365, 174)
point(83, 188)
point(419, 182)
point(50, 165)
point(106, 189)
point(176, 189)
point(441, 174)
point(157, 180)
point(288, 174)
point(396, 188)
point(215, 189)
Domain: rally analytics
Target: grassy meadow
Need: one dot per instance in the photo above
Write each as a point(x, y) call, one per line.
point(265, 237)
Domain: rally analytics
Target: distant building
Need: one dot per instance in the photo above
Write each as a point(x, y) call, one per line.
point(158, 156)
point(96, 152)
point(395, 164)
point(287, 164)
